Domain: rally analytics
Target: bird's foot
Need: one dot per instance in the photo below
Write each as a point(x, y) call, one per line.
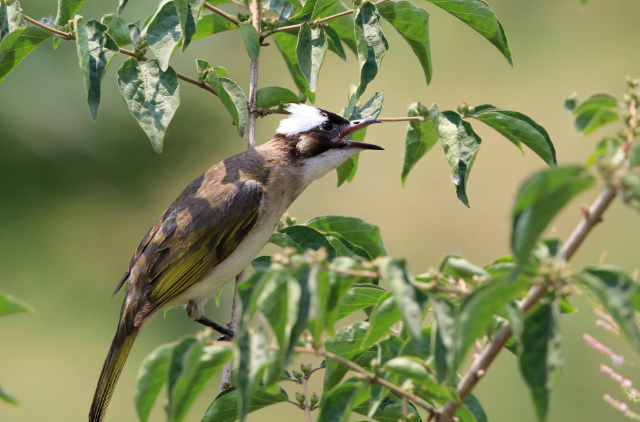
point(227, 334)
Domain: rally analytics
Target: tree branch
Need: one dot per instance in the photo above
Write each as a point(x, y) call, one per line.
point(307, 403)
point(223, 14)
point(315, 22)
point(536, 293)
point(69, 37)
point(402, 119)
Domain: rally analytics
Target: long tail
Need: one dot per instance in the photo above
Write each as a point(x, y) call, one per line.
point(120, 347)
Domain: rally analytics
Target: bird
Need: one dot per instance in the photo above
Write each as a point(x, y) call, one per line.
point(219, 224)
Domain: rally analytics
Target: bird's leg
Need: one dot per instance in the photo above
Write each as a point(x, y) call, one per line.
point(195, 311)
point(227, 334)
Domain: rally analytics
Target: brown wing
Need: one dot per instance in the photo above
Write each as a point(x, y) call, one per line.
point(197, 232)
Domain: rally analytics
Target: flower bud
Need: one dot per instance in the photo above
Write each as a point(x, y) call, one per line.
point(314, 399)
point(305, 369)
point(463, 109)
point(302, 98)
point(411, 417)
point(298, 375)
point(300, 398)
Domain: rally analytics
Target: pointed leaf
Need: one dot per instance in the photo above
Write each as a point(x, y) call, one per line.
point(338, 403)
point(163, 33)
point(416, 370)
point(340, 283)
point(286, 44)
point(11, 26)
point(390, 410)
point(541, 359)
point(303, 238)
point(518, 128)
point(595, 111)
point(6, 397)
point(151, 95)
point(253, 358)
point(472, 411)
point(320, 6)
point(273, 96)
point(261, 263)
point(358, 297)
point(371, 43)
point(342, 25)
point(10, 304)
point(335, 44)
point(618, 294)
point(233, 100)
point(311, 49)
point(26, 42)
point(225, 407)
point(211, 24)
point(355, 230)
point(479, 16)
point(384, 315)
point(421, 136)
point(118, 29)
point(151, 377)
point(200, 365)
point(95, 51)
point(445, 314)
point(412, 23)
point(176, 364)
point(539, 199)
point(461, 145)
point(251, 40)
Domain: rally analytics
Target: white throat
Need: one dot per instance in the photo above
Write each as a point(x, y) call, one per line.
point(316, 167)
point(301, 119)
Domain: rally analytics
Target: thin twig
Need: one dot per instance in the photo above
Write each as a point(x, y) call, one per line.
point(223, 14)
point(402, 119)
point(225, 381)
point(315, 22)
point(69, 37)
point(356, 273)
point(307, 403)
point(255, 9)
point(536, 293)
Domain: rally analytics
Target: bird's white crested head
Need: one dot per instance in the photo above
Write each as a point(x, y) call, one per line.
point(302, 118)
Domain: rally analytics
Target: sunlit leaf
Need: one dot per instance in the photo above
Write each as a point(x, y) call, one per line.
point(371, 43)
point(273, 96)
point(311, 49)
point(253, 358)
point(151, 377)
point(337, 403)
point(416, 370)
point(30, 38)
point(596, 111)
point(211, 24)
point(233, 99)
point(188, 11)
point(383, 316)
point(225, 407)
point(335, 43)
point(151, 95)
point(358, 297)
point(355, 230)
point(518, 128)
point(420, 137)
point(118, 29)
point(251, 40)
point(67, 10)
point(302, 238)
point(10, 304)
point(163, 33)
point(286, 44)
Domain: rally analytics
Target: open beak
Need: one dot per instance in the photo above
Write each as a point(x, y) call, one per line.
point(355, 125)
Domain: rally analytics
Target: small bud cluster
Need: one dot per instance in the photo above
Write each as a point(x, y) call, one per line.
point(465, 109)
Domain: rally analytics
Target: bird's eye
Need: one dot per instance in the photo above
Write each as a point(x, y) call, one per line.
point(326, 125)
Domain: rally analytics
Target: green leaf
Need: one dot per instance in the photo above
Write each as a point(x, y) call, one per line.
point(338, 403)
point(302, 238)
point(539, 199)
point(6, 397)
point(458, 267)
point(335, 44)
point(445, 314)
point(212, 24)
point(163, 33)
point(30, 38)
point(409, 300)
point(358, 297)
point(478, 309)
point(595, 111)
point(606, 147)
point(371, 43)
point(251, 40)
point(118, 29)
point(461, 145)
point(541, 359)
point(421, 136)
point(617, 293)
point(371, 110)
point(95, 51)
point(472, 411)
point(384, 315)
point(518, 128)
point(176, 365)
point(67, 10)
point(355, 230)
point(416, 370)
point(390, 410)
point(152, 96)
point(151, 377)
point(320, 6)
point(346, 343)
point(387, 349)
point(340, 243)
point(225, 407)
point(412, 23)
point(233, 100)
point(479, 16)
point(188, 11)
point(253, 359)
point(273, 96)
point(200, 365)
point(261, 263)
point(311, 49)
point(340, 284)
point(11, 26)
point(10, 304)
point(286, 44)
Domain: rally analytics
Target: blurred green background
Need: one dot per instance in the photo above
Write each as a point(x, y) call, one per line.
point(76, 196)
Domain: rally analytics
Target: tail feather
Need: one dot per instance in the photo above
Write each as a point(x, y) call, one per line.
point(118, 353)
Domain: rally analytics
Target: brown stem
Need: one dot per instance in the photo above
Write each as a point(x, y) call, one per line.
point(317, 21)
point(64, 35)
point(223, 14)
point(307, 403)
point(225, 381)
point(402, 119)
point(255, 9)
point(535, 294)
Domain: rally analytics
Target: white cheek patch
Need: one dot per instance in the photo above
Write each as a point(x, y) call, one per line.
point(301, 119)
point(304, 145)
point(316, 167)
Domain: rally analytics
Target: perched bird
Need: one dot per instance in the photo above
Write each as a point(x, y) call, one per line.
point(219, 224)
